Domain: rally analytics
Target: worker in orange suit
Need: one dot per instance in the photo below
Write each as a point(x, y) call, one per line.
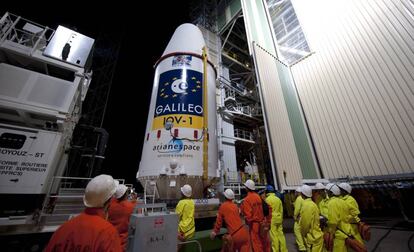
point(119, 213)
point(252, 211)
point(229, 213)
point(90, 231)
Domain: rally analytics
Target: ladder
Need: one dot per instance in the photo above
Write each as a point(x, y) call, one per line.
point(150, 192)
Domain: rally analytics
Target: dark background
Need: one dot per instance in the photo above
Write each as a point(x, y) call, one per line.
point(144, 31)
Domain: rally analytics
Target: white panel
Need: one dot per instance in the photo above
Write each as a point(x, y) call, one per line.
point(277, 120)
point(229, 150)
point(213, 45)
point(49, 91)
point(21, 86)
point(12, 83)
point(357, 89)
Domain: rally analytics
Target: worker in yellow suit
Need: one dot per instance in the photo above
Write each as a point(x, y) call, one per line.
point(321, 200)
point(185, 211)
point(338, 227)
point(317, 194)
point(323, 203)
point(309, 222)
point(296, 217)
point(276, 229)
point(353, 210)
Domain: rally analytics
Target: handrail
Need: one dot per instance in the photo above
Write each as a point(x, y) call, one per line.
point(192, 241)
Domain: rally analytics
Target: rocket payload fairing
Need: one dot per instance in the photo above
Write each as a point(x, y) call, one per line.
point(177, 140)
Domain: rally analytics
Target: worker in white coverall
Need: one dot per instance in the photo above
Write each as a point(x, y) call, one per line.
point(296, 217)
point(309, 222)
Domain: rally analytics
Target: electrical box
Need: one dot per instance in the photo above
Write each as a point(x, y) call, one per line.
point(153, 232)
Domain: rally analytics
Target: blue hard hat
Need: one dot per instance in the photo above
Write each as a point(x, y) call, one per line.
point(270, 188)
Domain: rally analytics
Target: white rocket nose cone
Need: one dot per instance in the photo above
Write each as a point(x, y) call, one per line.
point(186, 38)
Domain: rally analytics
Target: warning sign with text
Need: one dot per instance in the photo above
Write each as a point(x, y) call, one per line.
point(25, 159)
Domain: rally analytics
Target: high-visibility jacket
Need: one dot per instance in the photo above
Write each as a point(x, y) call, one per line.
point(296, 226)
point(323, 207)
point(252, 210)
point(229, 213)
point(276, 230)
point(89, 231)
point(309, 224)
point(119, 214)
point(353, 218)
point(185, 210)
point(338, 222)
point(353, 209)
point(277, 208)
point(298, 205)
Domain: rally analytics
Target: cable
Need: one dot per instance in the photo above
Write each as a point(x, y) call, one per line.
point(386, 234)
point(284, 177)
point(187, 139)
point(409, 243)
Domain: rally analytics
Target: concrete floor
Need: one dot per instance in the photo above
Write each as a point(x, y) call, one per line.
point(396, 240)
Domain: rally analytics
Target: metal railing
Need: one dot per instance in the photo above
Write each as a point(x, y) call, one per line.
point(232, 176)
point(248, 110)
point(64, 198)
point(192, 241)
point(24, 32)
point(243, 134)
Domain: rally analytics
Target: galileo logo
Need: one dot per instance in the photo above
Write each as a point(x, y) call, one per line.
point(180, 92)
point(179, 99)
point(175, 146)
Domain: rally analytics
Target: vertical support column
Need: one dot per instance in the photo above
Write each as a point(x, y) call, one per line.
point(205, 117)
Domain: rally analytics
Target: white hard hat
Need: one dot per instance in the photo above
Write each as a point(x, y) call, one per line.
point(120, 191)
point(328, 186)
point(306, 190)
point(250, 184)
point(99, 190)
point(229, 194)
point(299, 189)
point(335, 190)
point(187, 190)
point(319, 186)
point(347, 187)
